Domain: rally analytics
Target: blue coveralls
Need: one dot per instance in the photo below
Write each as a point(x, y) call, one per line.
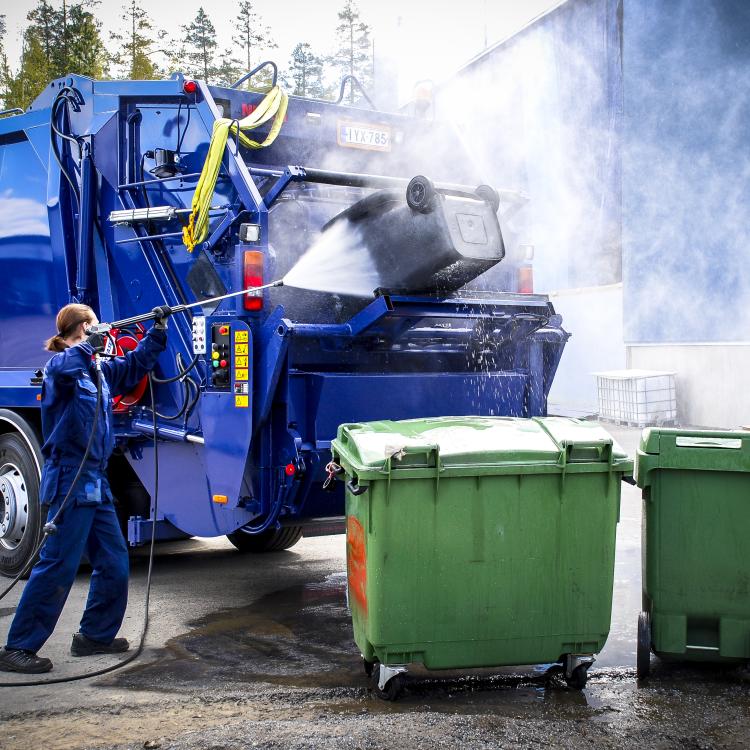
point(89, 522)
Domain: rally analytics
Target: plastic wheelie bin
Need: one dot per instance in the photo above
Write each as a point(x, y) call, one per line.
point(479, 542)
point(696, 526)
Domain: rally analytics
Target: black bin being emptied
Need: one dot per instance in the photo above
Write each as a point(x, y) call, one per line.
point(422, 240)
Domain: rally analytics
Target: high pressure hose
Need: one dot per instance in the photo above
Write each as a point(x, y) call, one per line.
point(147, 599)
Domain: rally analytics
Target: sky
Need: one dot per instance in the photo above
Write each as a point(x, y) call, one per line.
point(428, 39)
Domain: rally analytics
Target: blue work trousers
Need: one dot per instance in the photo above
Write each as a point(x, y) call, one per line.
point(92, 529)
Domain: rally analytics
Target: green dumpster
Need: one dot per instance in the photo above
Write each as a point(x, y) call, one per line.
point(477, 542)
point(696, 527)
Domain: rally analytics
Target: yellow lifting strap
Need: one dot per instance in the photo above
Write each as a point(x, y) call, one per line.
point(274, 105)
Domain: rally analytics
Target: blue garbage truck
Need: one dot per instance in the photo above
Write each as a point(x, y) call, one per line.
point(124, 195)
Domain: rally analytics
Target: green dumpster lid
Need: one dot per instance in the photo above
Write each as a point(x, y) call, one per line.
point(477, 441)
point(691, 450)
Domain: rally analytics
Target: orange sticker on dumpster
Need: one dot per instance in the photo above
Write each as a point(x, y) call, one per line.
point(356, 562)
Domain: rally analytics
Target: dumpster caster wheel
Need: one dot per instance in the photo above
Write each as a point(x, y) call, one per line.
point(643, 656)
point(369, 666)
point(420, 193)
point(388, 682)
point(393, 689)
point(578, 678)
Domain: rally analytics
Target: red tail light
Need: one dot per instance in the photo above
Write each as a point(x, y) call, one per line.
point(252, 275)
point(525, 279)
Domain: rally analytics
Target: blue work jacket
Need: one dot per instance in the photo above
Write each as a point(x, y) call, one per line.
point(68, 405)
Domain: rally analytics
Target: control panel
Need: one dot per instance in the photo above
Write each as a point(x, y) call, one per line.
point(221, 356)
point(199, 335)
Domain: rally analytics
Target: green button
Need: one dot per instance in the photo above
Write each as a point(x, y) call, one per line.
point(216, 363)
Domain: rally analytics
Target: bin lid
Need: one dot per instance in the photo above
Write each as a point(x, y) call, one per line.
point(466, 442)
point(690, 449)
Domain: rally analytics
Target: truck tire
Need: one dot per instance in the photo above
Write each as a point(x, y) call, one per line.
point(20, 513)
point(273, 540)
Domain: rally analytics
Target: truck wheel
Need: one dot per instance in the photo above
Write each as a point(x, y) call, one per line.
point(420, 193)
point(20, 513)
point(273, 540)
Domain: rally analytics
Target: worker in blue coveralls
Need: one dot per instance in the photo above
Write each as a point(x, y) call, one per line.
point(88, 522)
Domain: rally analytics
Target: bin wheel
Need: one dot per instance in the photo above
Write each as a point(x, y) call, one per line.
point(420, 193)
point(369, 666)
point(643, 655)
point(578, 678)
point(489, 195)
point(393, 688)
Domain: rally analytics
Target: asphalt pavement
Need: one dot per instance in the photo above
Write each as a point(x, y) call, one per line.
point(257, 651)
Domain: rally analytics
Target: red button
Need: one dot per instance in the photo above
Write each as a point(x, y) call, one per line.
point(223, 363)
point(224, 330)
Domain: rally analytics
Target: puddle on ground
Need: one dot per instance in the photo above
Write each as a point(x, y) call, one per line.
point(301, 637)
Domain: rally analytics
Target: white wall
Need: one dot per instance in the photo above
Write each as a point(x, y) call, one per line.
point(711, 381)
point(594, 318)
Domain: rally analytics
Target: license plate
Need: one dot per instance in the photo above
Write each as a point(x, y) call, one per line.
point(362, 135)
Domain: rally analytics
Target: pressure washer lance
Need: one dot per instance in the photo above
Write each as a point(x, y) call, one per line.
point(105, 327)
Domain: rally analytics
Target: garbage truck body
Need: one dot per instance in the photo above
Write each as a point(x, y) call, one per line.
point(97, 180)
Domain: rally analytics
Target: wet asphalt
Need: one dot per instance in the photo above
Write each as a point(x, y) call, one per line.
point(257, 651)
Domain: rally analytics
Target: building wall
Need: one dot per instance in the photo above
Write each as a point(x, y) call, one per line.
point(686, 171)
point(711, 380)
point(594, 318)
point(540, 113)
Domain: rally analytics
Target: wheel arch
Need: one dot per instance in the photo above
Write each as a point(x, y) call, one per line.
point(28, 425)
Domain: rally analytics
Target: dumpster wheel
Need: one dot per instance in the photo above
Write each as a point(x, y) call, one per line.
point(578, 679)
point(643, 655)
point(387, 682)
point(576, 670)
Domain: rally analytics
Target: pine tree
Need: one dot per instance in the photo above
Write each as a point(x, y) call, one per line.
point(84, 50)
point(5, 74)
point(44, 30)
point(306, 72)
point(199, 42)
point(353, 56)
point(227, 70)
point(135, 43)
point(253, 36)
point(56, 42)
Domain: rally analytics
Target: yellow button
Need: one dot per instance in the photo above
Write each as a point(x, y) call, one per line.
point(240, 336)
point(241, 402)
point(240, 374)
point(214, 355)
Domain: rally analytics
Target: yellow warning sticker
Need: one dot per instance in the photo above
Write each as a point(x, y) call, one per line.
point(240, 361)
point(240, 349)
point(241, 336)
point(240, 374)
point(241, 402)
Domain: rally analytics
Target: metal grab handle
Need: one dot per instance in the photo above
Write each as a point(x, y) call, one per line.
point(353, 82)
point(355, 489)
point(254, 71)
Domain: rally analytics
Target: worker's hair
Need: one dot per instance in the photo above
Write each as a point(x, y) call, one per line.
point(68, 319)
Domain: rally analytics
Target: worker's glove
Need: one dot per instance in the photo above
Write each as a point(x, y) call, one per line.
point(96, 341)
point(161, 314)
